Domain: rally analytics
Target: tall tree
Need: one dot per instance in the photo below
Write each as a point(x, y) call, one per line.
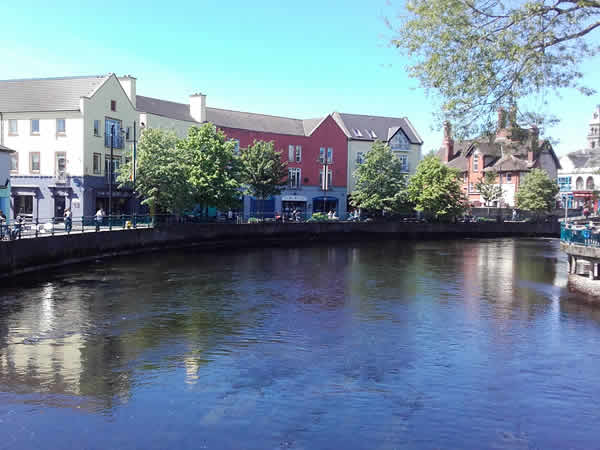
point(489, 188)
point(380, 182)
point(263, 171)
point(212, 167)
point(537, 193)
point(436, 190)
point(161, 175)
point(479, 55)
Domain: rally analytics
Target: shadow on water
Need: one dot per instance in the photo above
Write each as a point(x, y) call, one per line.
point(463, 344)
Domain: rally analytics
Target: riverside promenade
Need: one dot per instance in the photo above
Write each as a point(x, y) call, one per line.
point(580, 240)
point(26, 255)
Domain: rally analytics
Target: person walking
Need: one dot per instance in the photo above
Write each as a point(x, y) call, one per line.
point(99, 218)
point(2, 225)
point(68, 220)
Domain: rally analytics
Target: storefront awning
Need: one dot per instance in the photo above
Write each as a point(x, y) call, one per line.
point(293, 198)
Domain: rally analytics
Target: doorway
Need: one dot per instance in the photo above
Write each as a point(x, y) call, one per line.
point(59, 207)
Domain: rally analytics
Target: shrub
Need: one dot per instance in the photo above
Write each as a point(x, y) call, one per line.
point(253, 220)
point(318, 217)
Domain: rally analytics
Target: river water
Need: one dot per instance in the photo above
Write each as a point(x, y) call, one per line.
point(381, 345)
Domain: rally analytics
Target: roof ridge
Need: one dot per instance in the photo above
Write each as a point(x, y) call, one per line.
point(75, 77)
point(257, 114)
point(372, 115)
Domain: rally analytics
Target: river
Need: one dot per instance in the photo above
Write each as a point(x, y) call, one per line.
point(380, 345)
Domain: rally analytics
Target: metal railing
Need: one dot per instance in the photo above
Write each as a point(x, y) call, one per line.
point(586, 235)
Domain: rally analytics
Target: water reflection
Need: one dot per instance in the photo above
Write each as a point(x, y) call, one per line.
point(381, 345)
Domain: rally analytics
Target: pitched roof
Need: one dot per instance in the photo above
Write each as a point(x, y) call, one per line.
point(47, 94)
point(509, 163)
point(382, 126)
point(228, 119)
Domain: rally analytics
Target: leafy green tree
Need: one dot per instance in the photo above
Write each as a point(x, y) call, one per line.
point(537, 193)
point(436, 190)
point(479, 55)
point(489, 189)
point(380, 183)
point(161, 175)
point(212, 167)
point(263, 171)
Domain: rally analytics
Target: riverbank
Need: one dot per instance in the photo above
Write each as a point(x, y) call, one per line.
point(28, 255)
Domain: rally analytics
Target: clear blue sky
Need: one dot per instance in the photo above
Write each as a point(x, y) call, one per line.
point(299, 59)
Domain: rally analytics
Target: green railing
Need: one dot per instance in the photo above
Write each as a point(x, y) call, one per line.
point(586, 235)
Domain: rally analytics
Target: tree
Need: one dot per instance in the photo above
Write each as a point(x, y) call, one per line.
point(212, 167)
point(161, 175)
point(489, 189)
point(263, 171)
point(380, 183)
point(537, 193)
point(436, 190)
point(479, 55)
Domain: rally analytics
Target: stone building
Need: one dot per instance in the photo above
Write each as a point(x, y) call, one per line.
point(510, 153)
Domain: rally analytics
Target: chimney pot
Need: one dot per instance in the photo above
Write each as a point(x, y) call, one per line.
point(198, 107)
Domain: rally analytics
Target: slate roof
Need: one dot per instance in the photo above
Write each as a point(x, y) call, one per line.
point(227, 118)
point(47, 94)
point(382, 126)
point(509, 163)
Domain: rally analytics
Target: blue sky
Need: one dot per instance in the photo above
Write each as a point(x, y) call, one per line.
point(299, 59)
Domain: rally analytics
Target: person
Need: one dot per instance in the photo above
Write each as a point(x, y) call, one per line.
point(330, 215)
point(2, 225)
point(230, 215)
point(68, 220)
point(18, 227)
point(99, 218)
point(586, 212)
point(514, 215)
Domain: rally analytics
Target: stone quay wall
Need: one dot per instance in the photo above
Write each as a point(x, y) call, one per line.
point(27, 255)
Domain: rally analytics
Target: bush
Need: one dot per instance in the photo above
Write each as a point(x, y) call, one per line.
point(318, 217)
point(253, 220)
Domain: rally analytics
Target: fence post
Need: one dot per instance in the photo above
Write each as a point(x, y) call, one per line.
point(53, 221)
point(37, 223)
point(109, 223)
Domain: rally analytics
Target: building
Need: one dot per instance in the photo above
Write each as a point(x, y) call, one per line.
point(362, 131)
point(61, 131)
point(510, 153)
point(580, 170)
point(5, 161)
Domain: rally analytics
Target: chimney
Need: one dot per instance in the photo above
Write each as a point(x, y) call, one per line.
point(534, 143)
point(501, 118)
point(198, 107)
point(128, 83)
point(448, 143)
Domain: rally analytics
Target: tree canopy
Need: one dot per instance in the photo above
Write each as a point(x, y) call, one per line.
point(263, 171)
point(380, 182)
point(435, 189)
point(161, 175)
point(537, 193)
point(489, 189)
point(211, 166)
point(479, 55)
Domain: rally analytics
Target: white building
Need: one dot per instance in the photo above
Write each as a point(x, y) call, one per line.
point(60, 129)
point(579, 177)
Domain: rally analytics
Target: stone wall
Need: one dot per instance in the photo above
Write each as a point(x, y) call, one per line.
point(34, 254)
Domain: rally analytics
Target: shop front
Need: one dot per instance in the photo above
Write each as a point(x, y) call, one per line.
point(581, 199)
point(325, 204)
point(291, 203)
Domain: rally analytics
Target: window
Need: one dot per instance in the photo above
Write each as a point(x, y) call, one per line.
point(127, 133)
point(115, 167)
point(357, 132)
point(60, 164)
point(579, 184)
point(359, 157)
point(322, 155)
point(23, 205)
point(471, 187)
point(117, 140)
point(113, 105)
point(61, 126)
point(96, 165)
point(34, 162)
point(475, 163)
point(372, 134)
point(35, 126)
point(294, 178)
point(13, 127)
point(465, 177)
point(298, 153)
point(96, 128)
point(593, 144)
point(14, 162)
point(329, 155)
point(291, 153)
point(589, 184)
point(403, 162)
point(327, 186)
point(509, 177)
point(400, 142)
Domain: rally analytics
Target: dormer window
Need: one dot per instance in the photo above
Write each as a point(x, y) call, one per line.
point(372, 134)
point(357, 132)
point(113, 105)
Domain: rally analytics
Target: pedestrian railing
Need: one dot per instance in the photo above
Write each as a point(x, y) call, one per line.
point(580, 235)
